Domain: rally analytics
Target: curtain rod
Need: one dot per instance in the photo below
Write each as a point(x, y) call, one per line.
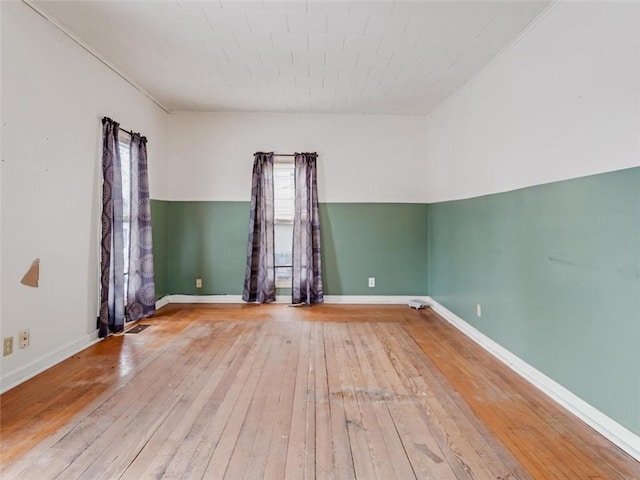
point(284, 154)
point(130, 133)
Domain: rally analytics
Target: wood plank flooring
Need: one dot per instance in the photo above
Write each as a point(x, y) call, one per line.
point(329, 392)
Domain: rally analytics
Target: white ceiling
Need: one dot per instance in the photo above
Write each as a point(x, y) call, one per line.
point(392, 57)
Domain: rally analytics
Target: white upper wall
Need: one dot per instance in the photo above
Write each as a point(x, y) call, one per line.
point(361, 158)
point(563, 102)
point(53, 96)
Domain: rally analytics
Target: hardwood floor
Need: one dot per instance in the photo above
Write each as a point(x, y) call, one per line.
point(245, 391)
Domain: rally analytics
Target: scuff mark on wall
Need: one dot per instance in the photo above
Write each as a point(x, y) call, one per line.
point(573, 264)
point(630, 272)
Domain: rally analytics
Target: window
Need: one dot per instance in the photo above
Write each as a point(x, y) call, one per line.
point(125, 172)
point(283, 204)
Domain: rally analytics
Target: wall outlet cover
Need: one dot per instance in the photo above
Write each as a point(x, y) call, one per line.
point(23, 339)
point(8, 346)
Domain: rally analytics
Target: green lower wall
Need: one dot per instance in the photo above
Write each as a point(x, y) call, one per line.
point(208, 240)
point(387, 241)
point(556, 269)
point(160, 226)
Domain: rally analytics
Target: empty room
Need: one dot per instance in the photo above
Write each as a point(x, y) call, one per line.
point(317, 239)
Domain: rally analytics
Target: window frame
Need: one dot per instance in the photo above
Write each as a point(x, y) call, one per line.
point(284, 282)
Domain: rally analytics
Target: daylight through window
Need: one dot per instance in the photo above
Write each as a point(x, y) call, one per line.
point(284, 197)
point(125, 171)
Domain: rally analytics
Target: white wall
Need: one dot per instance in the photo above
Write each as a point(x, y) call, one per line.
point(563, 102)
point(53, 96)
point(361, 158)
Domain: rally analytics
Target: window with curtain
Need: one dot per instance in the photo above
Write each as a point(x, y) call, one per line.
point(284, 223)
point(127, 286)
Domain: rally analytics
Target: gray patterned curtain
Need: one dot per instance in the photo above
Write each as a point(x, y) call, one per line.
point(260, 277)
point(141, 292)
point(307, 271)
point(112, 262)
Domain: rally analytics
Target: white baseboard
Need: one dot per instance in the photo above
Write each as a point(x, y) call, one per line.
point(609, 428)
point(329, 299)
point(39, 365)
point(372, 299)
point(161, 302)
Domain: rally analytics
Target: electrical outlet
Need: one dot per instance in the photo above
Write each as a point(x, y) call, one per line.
point(198, 283)
point(372, 282)
point(478, 310)
point(23, 339)
point(8, 346)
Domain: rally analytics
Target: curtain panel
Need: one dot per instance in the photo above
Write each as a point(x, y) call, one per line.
point(260, 279)
point(307, 270)
point(141, 291)
point(111, 319)
point(125, 297)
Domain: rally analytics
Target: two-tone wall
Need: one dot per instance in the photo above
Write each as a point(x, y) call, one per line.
point(54, 95)
point(554, 261)
point(371, 192)
point(208, 240)
point(520, 193)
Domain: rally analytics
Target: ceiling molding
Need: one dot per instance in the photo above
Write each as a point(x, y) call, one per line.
point(507, 48)
point(53, 21)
